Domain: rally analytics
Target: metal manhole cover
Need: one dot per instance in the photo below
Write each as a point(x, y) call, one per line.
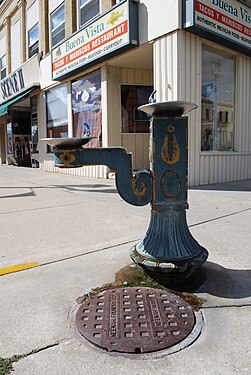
point(135, 320)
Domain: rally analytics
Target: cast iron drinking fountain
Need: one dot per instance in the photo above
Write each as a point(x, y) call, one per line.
point(168, 252)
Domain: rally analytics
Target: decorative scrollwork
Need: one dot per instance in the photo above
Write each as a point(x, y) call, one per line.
point(170, 151)
point(135, 189)
point(170, 184)
point(67, 158)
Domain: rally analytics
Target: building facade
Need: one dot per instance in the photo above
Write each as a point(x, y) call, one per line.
point(76, 67)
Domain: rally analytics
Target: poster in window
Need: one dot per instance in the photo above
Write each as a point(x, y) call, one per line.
point(87, 112)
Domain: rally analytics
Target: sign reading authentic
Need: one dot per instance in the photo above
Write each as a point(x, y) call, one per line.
point(106, 35)
point(229, 20)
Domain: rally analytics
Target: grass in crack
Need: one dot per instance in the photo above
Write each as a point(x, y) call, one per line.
point(6, 364)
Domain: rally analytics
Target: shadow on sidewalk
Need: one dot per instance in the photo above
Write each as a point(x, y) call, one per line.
point(224, 282)
point(98, 188)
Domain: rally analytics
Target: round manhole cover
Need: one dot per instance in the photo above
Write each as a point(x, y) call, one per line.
point(135, 320)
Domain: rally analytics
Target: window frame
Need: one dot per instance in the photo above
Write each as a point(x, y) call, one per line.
point(138, 121)
point(58, 26)
point(80, 7)
point(2, 76)
point(62, 127)
point(30, 46)
point(226, 117)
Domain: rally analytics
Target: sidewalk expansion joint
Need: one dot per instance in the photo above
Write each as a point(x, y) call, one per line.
point(122, 243)
point(45, 208)
point(225, 306)
point(220, 217)
point(36, 265)
point(6, 364)
point(88, 253)
point(35, 351)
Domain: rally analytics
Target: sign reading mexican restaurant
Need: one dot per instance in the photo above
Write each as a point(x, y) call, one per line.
point(220, 20)
point(106, 36)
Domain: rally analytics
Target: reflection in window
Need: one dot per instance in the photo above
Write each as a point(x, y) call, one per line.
point(86, 105)
point(3, 67)
point(34, 124)
point(57, 25)
point(9, 138)
point(88, 10)
point(57, 113)
point(33, 41)
point(133, 120)
point(218, 78)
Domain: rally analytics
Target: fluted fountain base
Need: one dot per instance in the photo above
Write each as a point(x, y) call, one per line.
point(180, 275)
point(168, 252)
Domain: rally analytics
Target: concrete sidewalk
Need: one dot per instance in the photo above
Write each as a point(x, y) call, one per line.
point(79, 232)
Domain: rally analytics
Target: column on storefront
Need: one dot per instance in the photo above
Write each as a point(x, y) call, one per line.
point(43, 26)
point(22, 5)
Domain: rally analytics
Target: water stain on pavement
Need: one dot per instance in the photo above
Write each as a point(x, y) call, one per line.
point(133, 276)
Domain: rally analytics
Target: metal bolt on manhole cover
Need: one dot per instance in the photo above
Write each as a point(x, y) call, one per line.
point(135, 320)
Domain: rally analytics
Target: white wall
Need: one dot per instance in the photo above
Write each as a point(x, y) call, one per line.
point(53, 4)
point(45, 72)
point(32, 15)
point(15, 46)
point(158, 17)
point(2, 46)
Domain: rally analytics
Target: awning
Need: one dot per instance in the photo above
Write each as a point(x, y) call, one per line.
point(4, 107)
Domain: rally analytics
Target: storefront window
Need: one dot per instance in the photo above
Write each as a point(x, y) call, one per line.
point(217, 110)
point(88, 10)
point(21, 128)
point(133, 120)
point(57, 113)
point(86, 105)
point(33, 41)
point(34, 125)
point(9, 138)
point(58, 25)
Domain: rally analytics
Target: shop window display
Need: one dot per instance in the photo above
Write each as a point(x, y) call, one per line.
point(86, 105)
point(21, 129)
point(217, 110)
point(9, 138)
point(133, 120)
point(34, 125)
point(57, 112)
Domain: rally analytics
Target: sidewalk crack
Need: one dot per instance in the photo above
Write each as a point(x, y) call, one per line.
point(6, 364)
point(220, 217)
point(225, 306)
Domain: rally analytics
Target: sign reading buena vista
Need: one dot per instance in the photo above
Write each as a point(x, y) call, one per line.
point(104, 36)
point(228, 19)
point(242, 12)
